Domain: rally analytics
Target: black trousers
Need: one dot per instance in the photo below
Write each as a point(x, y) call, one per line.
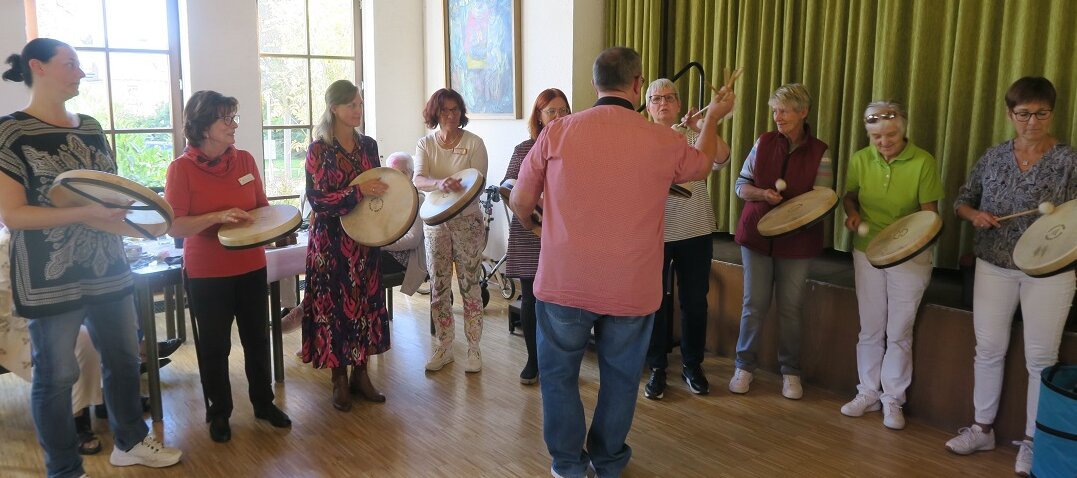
point(690, 260)
point(215, 302)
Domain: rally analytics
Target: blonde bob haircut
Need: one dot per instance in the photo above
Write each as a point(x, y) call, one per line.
point(340, 92)
point(792, 95)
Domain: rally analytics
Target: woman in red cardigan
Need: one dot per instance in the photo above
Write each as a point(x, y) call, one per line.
point(214, 183)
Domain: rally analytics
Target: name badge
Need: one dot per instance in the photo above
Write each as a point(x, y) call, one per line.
point(246, 179)
point(460, 151)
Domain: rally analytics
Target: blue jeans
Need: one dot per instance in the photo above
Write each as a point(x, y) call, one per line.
point(112, 327)
point(786, 278)
point(621, 343)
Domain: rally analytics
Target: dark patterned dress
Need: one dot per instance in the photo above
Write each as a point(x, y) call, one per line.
point(345, 321)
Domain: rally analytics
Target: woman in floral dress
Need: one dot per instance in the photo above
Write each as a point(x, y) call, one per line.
point(345, 320)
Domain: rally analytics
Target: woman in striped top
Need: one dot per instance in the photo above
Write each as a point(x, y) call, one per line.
point(524, 246)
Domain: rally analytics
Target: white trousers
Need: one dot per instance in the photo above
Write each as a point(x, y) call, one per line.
point(1045, 304)
point(888, 300)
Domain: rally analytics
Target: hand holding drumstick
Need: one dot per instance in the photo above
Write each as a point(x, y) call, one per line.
point(723, 97)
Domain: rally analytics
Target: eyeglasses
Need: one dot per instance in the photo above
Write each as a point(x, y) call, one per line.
point(1024, 116)
point(450, 111)
point(656, 99)
point(877, 117)
point(555, 111)
point(229, 119)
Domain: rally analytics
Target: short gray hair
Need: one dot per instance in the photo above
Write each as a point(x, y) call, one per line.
point(793, 95)
point(401, 156)
point(616, 67)
point(658, 85)
point(888, 106)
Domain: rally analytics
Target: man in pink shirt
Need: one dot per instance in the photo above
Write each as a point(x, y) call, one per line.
point(603, 175)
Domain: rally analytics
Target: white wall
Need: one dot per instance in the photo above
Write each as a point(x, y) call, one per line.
point(393, 73)
point(13, 96)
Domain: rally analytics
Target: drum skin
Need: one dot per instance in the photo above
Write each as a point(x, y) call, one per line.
point(440, 206)
point(798, 213)
point(382, 220)
point(1049, 245)
point(904, 239)
point(149, 216)
point(270, 223)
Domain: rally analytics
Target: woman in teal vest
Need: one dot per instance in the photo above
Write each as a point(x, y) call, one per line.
point(800, 160)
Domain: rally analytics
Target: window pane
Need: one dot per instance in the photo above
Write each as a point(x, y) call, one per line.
point(144, 157)
point(285, 154)
point(93, 89)
point(78, 23)
point(331, 27)
point(141, 97)
point(324, 72)
point(281, 26)
point(285, 92)
point(137, 24)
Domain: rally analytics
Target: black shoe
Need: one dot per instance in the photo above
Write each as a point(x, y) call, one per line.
point(273, 414)
point(656, 385)
point(529, 375)
point(696, 379)
point(219, 430)
point(166, 347)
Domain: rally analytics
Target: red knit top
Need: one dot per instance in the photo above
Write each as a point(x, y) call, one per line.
point(194, 186)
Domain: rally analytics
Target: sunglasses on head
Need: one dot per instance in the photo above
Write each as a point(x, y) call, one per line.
point(877, 117)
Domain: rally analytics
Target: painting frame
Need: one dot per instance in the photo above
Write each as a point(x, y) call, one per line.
point(482, 56)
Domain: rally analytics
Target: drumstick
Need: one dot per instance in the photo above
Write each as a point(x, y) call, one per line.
point(1045, 208)
point(779, 185)
point(863, 229)
point(729, 80)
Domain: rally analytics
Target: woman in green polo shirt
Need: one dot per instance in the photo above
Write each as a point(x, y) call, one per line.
point(885, 181)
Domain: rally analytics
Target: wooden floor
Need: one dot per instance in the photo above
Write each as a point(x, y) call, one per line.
point(452, 424)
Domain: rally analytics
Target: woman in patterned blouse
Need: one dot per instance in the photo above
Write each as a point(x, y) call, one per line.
point(1016, 175)
point(345, 318)
point(523, 251)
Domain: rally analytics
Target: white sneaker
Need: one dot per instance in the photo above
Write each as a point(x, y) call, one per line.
point(149, 452)
point(474, 360)
point(860, 405)
point(791, 388)
point(893, 417)
point(740, 381)
point(971, 439)
point(442, 356)
point(1023, 467)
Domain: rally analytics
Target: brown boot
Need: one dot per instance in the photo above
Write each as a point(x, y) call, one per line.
point(341, 399)
point(360, 385)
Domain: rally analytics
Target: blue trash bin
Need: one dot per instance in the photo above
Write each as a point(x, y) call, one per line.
point(1055, 450)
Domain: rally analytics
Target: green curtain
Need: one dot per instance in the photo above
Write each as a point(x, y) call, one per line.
point(948, 61)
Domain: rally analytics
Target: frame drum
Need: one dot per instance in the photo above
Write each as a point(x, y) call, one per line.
point(680, 191)
point(904, 239)
point(441, 206)
point(148, 215)
point(380, 221)
point(536, 215)
point(270, 223)
point(798, 213)
point(1049, 245)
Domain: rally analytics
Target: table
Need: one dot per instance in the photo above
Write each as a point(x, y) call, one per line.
point(281, 263)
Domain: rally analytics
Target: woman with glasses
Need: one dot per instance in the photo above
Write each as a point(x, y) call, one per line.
point(793, 155)
point(460, 240)
point(523, 250)
point(1014, 176)
point(214, 183)
point(687, 250)
point(888, 180)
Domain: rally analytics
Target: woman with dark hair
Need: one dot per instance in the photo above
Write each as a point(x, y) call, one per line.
point(214, 183)
point(345, 319)
point(458, 241)
point(523, 250)
point(63, 273)
point(1016, 175)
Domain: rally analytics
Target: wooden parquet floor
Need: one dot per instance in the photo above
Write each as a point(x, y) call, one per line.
point(452, 424)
